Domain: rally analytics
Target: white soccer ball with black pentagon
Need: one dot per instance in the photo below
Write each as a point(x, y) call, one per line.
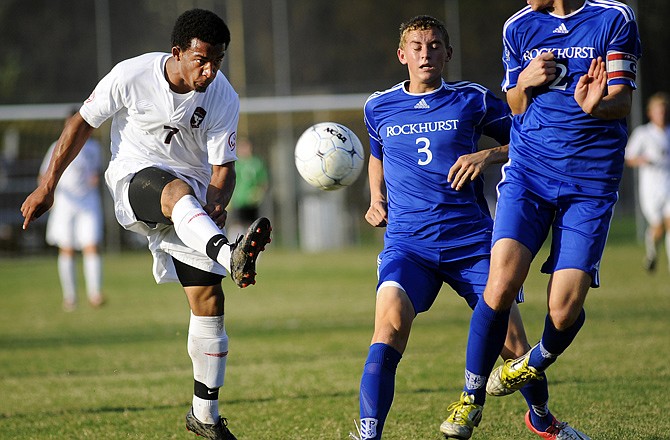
point(329, 156)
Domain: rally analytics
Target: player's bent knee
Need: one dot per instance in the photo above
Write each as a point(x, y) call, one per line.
point(564, 318)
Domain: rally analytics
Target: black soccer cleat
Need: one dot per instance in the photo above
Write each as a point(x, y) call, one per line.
point(649, 264)
point(217, 431)
point(245, 252)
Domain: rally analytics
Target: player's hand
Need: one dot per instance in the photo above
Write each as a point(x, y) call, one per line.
point(377, 214)
point(540, 71)
point(591, 87)
point(36, 204)
point(217, 213)
point(466, 169)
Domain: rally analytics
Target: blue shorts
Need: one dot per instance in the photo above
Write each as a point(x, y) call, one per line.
point(421, 274)
point(529, 205)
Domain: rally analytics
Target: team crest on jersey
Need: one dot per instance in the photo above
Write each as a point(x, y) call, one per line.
point(197, 117)
point(368, 428)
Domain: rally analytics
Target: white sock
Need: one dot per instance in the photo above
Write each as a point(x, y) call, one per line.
point(208, 348)
point(196, 229)
point(667, 246)
point(68, 277)
point(93, 274)
point(207, 411)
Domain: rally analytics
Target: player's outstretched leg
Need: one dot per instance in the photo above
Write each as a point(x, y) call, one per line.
point(465, 415)
point(557, 431)
point(245, 250)
point(218, 431)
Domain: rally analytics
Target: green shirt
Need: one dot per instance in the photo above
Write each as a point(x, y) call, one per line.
point(250, 183)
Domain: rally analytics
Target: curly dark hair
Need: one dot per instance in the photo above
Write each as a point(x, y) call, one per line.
point(201, 24)
point(423, 23)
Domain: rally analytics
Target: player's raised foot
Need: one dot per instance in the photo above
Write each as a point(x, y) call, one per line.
point(245, 252)
point(217, 431)
point(465, 415)
point(511, 376)
point(557, 431)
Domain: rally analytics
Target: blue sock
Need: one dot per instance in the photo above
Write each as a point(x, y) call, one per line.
point(488, 330)
point(536, 393)
point(377, 387)
point(554, 342)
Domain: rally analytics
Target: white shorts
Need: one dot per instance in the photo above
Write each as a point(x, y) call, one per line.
point(163, 240)
point(655, 205)
point(75, 224)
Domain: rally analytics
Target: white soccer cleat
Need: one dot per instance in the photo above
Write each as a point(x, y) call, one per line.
point(557, 431)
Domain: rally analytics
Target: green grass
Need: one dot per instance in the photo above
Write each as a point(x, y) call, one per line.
point(298, 341)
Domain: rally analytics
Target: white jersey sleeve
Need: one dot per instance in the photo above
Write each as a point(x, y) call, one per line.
point(105, 100)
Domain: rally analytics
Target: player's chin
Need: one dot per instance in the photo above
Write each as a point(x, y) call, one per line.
point(200, 88)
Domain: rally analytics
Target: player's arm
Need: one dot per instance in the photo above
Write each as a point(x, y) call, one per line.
point(635, 151)
point(470, 166)
point(377, 214)
point(72, 139)
point(590, 94)
point(540, 71)
point(219, 192)
point(638, 161)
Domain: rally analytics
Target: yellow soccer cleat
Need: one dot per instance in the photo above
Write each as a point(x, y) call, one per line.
point(512, 376)
point(465, 415)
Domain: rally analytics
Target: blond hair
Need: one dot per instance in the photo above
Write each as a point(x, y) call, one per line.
point(660, 98)
point(422, 23)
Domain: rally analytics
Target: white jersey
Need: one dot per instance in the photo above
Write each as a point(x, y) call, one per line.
point(75, 221)
point(152, 128)
point(652, 143)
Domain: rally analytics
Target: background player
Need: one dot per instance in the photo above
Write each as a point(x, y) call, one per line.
point(570, 72)
point(171, 175)
point(426, 189)
point(250, 188)
point(75, 223)
point(649, 149)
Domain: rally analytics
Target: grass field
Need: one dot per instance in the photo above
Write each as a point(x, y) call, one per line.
point(298, 341)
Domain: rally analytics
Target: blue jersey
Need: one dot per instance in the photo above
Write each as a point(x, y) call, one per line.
point(554, 136)
point(418, 137)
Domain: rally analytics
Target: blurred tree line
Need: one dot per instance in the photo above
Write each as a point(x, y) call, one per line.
point(51, 53)
point(57, 50)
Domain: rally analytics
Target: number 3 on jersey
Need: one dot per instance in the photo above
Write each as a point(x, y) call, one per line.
point(424, 149)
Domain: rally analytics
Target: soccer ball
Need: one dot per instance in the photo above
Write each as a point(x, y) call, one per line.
point(329, 156)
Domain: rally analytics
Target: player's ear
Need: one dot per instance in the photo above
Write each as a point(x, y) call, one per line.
point(176, 52)
point(450, 53)
point(401, 57)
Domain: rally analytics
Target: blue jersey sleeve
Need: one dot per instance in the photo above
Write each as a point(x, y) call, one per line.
point(371, 126)
point(622, 55)
point(497, 119)
point(512, 61)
